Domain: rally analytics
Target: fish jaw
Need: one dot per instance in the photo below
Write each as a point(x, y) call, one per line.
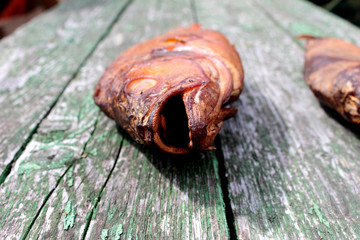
point(187, 120)
point(169, 109)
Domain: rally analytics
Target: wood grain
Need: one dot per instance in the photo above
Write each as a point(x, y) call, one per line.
point(293, 19)
point(160, 196)
point(293, 170)
point(39, 60)
point(292, 167)
point(78, 179)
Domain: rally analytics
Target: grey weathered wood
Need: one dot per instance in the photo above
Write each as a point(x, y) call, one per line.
point(168, 199)
point(295, 20)
point(39, 60)
point(150, 195)
point(293, 170)
point(71, 183)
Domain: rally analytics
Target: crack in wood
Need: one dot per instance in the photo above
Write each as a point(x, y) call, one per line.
point(5, 173)
point(8, 168)
point(224, 182)
point(98, 197)
point(28, 229)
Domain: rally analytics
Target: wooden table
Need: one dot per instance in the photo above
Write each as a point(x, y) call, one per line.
point(285, 167)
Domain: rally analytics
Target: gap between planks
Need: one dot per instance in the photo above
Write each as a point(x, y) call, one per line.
point(8, 168)
point(27, 231)
point(219, 153)
point(98, 198)
point(224, 182)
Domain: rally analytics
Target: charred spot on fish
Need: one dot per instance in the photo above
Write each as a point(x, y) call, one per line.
point(97, 92)
point(174, 130)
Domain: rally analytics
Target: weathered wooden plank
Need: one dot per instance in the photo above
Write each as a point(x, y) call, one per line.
point(39, 60)
point(71, 183)
point(155, 196)
point(293, 170)
point(295, 19)
point(69, 207)
point(59, 143)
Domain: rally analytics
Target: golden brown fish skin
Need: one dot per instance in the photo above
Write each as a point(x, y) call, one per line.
point(194, 69)
point(332, 70)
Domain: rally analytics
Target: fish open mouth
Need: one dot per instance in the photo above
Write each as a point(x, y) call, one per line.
point(173, 129)
point(171, 125)
point(187, 119)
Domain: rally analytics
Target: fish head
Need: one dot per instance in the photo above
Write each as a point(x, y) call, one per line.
point(167, 108)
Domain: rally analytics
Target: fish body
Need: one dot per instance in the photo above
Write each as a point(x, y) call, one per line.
point(332, 71)
point(169, 92)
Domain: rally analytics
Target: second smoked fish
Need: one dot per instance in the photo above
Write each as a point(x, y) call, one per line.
point(332, 70)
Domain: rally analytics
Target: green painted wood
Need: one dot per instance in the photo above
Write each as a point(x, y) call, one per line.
point(78, 178)
point(155, 196)
point(48, 159)
point(59, 143)
point(170, 198)
point(293, 169)
point(39, 60)
point(295, 19)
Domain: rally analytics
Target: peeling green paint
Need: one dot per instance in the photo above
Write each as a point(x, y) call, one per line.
point(303, 28)
point(104, 234)
point(111, 212)
point(316, 209)
point(247, 27)
point(47, 146)
point(117, 230)
point(53, 136)
point(102, 137)
point(94, 152)
point(86, 107)
point(70, 177)
point(191, 181)
point(79, 131)
point(129, 27)
point(66, 159)
point(69, 216)
point(28, 167)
